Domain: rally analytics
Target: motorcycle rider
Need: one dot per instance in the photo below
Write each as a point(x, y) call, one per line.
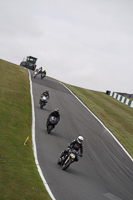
point(56, 114)
point(76, 145)
point(46, 94)
point(43, 74)
point(40, 70)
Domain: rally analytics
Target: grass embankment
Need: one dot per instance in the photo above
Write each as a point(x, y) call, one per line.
point(19, 178)
point(116, 116)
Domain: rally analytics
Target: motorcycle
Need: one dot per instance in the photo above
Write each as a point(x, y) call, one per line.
point(51, 123)
point(66, 160)
point(43, 100)
point(36, 72)
point(43, 74)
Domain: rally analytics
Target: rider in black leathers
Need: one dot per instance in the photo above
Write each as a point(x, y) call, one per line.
point(56, 114)
point(46, 94)
point(75, 144)
point(43, 74)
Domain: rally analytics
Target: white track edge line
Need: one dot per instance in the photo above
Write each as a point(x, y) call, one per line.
point(34, 142)
point(100, 122)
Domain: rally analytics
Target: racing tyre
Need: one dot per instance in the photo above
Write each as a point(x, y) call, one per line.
point(41, 105)
point(49, 129)
point(66, 165)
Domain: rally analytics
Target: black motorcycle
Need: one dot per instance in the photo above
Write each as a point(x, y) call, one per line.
point(43, 100)
point(51, 123)
point(66, 160)
point(43, 75)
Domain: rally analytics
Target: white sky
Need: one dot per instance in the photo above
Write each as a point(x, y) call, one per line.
point(86, 43)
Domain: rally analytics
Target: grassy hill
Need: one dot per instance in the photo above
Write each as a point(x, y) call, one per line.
point(116, 116)
point(19, 178)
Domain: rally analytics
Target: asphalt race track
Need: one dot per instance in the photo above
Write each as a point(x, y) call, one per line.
point(104, 173)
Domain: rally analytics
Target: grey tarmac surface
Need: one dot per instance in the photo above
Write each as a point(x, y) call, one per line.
point(104, 173)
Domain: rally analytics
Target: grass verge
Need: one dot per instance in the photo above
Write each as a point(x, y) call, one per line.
point(19, 178)
point(116, 116)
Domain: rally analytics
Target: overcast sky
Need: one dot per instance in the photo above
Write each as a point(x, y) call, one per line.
point(86, 43)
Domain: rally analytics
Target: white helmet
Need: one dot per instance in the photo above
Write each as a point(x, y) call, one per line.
point(56, 110)
point(80, 139)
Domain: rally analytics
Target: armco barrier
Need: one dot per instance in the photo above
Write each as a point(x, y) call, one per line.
point(122, 99)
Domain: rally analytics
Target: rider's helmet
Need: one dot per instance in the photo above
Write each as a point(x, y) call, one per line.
point(80, 139)
point(56, 110)
point(47, 91)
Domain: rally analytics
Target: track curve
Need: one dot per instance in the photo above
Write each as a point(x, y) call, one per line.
point(105, 171)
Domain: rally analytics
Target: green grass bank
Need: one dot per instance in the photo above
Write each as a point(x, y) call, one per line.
point(19, 178)
point(116, 116)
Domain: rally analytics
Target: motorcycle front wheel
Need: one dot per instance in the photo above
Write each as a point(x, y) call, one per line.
point(41, 105)
point(66, 165)
point(49, 128)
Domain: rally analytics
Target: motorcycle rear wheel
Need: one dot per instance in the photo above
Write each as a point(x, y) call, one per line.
point(49, 128)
